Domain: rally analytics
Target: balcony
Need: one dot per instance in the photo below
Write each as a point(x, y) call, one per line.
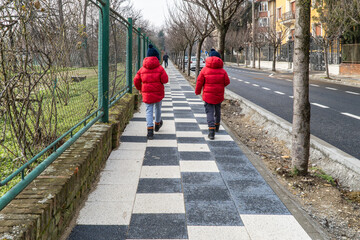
point(288, 18)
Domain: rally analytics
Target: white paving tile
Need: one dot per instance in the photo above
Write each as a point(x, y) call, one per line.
point(177, 96)
point(112, 193)
point(273, 227)
point(205, 127)
point(131, 146)
point(98, 213)
point(159, 203)
point(182, 108)
point(167, 114)
point(198, 115)
point(186, 120)
point(179, 101)
point(189, 147)
point(127, 154)
point(124, 165)
point(219, 137)
point(160, 172)
point(162, 143)
point(120, 177)
point(165, 104)
point(168, 127)
point(196, 103)
point(217, 233)
point(198, 166)
point(135, 128)
point(189, 134)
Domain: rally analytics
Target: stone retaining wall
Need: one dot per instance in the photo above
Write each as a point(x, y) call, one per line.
point(45, 208)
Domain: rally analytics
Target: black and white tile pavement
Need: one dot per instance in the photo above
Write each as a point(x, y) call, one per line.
point(181, 185)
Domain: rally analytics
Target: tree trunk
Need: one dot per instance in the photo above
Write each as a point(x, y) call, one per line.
point(301, 105)
point(259, 57)
point(326, 61)
point(221, 43)
point(253, 32)
point(198, 53)
point(189, 59)
point(274, 61)
point(183, 60)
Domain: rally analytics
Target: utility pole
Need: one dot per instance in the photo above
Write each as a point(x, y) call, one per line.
point(253, 33)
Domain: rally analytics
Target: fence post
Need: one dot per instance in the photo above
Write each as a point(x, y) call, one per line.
point(139, 50)
point(147, 44)
point(129, 55)
point(144, 46)
point(103, 62)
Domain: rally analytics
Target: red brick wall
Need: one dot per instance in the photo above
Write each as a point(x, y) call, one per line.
point(349, 69)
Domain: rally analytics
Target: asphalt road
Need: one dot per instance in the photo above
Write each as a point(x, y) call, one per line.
point(335, 109)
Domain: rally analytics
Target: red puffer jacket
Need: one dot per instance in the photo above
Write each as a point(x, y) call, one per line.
point(150, 80)
point(214, 79)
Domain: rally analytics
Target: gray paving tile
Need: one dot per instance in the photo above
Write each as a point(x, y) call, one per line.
point(161, 156)
point(260, 204)
point(157, 226)
point(230, 171)
point(133, 139)
point(190, 140)
point(186, 126)
point(200, 178)
point(227, 151)
point(196, 156)
point(164, 136)
point(138, 119)
point(159, 185)
point(98, 232)
point(184, 114)
point(242, 159)
point(219, 213)
point(249, 187)
point(206, 193)
point(222, 144)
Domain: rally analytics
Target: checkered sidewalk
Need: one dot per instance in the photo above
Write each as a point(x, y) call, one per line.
point(182, 185)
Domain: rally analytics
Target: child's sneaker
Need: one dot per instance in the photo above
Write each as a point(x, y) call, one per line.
point(217, 127)
point(158, 125)
point(150, 134)
point(211, 133)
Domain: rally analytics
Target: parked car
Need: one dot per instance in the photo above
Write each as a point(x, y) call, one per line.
point(193, 63)
point(186, 59)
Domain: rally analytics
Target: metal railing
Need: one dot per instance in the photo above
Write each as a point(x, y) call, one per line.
point(49, 91)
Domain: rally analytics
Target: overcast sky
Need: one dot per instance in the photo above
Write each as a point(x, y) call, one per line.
point(153, 10)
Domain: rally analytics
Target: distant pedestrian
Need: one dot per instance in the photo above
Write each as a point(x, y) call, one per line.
point(166, 58)
point(150, 80)
point(213, 79)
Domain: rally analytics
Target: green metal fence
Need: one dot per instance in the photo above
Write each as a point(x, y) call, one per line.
point(60, 74)
point(351, 53)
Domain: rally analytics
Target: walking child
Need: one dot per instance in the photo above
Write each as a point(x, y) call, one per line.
point(166, 59)
point(213, 79)
point(150, 80)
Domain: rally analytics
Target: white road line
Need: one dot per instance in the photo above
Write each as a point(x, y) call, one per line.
point(314, 85)
point(265, 88)
point(291, 96)
point(319, 105)
point(288, 80)
point(330, 88)
point(247, 82)
point(281, 93)
point(351, 115)
point(355, 93)
point(255, 85)
point(240, 80)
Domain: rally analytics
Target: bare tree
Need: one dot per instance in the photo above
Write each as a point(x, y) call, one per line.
point(201, 21)
point(221, 13)
point(275, 36)
point(301, 105)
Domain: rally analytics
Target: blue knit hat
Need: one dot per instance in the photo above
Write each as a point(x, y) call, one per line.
point(152, 52)
point(214, 53)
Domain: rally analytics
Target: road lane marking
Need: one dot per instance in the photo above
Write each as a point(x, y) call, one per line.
point(265, 88)
point(247, 82)
point(351, 115)
point(319, 105)
point(255, 85)
point(291, 96)
point(240, 80)
point(281, 93)
point(330, 88)
point(355, 93)
point(314, 85)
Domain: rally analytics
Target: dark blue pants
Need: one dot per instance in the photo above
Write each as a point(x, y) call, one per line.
point(213, 113)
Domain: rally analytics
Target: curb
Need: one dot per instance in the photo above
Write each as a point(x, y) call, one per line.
point(332, 160)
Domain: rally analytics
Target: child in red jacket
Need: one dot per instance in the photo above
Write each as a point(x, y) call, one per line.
point(150, 80)
point(213, 78)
